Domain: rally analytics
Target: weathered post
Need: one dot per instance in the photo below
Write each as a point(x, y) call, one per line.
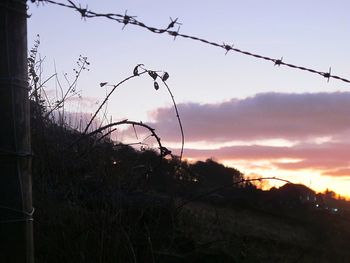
point(16, 226)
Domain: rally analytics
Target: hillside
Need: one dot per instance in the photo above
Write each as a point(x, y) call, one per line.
point(101, 201)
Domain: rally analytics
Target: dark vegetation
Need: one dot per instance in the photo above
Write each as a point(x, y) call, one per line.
point(98, 200)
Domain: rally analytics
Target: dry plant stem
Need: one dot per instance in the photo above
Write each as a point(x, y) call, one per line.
point(150, 242)
point(106, 134)
point(127, 122)
point(226, 186)
point(41, 85)
point(107, 97)
point(136, 143)
point(132, 250)
point(175, 107)
point(71, 86)
point(179, 120)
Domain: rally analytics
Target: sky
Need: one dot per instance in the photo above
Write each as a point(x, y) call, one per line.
point(247, 113)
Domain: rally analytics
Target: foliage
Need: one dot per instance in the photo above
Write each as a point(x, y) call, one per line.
point(98, 200)
point(213, 174)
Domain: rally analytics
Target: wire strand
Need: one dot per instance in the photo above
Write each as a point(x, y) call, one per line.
point(28, 216)
point(126, 20)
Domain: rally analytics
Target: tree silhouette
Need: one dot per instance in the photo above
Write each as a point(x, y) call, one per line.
point(213, 174)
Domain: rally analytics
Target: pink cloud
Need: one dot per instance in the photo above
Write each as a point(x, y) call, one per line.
point(264, 116)
point(327, 157)
point(301, 118)
point(324, 152)
point(339, 172)
point(316, 164)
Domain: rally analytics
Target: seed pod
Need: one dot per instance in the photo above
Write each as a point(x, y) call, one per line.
point(165, 76)
point(153, 74)
point(156, 86)
point(136, 71)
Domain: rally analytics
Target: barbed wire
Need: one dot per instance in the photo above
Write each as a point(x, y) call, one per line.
point(126, 19)
point(25, 216)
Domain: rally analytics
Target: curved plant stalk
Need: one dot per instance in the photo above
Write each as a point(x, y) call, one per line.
point(226, 186)
point(163, 151)
point(178, 119)
point(107, 97)
point(154, 75)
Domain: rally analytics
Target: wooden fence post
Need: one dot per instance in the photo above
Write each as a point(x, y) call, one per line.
point(16, 211)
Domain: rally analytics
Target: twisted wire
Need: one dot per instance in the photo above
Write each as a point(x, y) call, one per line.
point(25, 216)
point(127, 19)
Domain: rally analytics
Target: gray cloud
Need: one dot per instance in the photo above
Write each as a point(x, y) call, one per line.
point(264, 116)
point(301, 118)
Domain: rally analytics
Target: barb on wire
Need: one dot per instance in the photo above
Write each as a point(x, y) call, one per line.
point(126, 20)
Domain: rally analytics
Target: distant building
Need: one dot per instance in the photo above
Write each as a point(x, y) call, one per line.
point(293, 195)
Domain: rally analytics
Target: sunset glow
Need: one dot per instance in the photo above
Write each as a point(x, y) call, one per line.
point(176, 131)
point(259, 118)
point(298, 137)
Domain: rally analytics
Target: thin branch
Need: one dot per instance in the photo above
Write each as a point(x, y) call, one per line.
point(226, 186)
point(134, 123)
point(107, 97)
point(178, 119)
point(72, 86)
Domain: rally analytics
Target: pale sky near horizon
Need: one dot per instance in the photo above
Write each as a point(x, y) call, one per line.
point(302, 125)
